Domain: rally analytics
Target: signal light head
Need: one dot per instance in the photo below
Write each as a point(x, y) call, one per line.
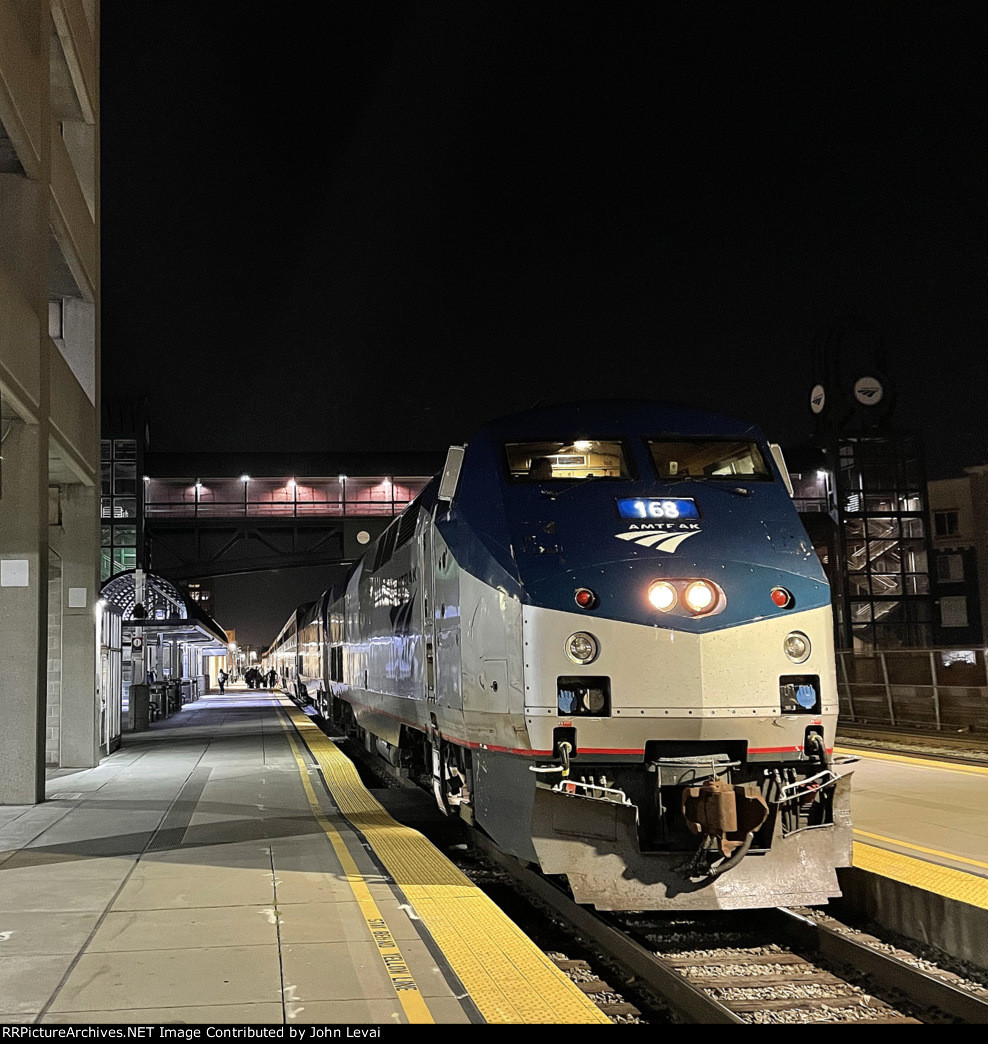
point(585, 598)
point(782, 598)
point(663, 595)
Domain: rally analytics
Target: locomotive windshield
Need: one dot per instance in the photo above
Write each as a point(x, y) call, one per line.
point(708, 459)
point(548, 459)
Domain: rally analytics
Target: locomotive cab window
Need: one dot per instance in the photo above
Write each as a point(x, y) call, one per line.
point(549, 460)
point(708, 459)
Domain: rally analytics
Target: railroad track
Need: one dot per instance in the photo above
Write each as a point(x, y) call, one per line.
point(719, 970)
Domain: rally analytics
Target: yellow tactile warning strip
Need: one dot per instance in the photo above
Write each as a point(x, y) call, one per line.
point(508, 978)
point(909, 759)
point(931, 877)
point(412, 1002)
point(920, 848)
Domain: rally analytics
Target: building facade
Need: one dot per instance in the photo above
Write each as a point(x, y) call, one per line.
point(959, 524)
point(863, 499)
point(49, 390)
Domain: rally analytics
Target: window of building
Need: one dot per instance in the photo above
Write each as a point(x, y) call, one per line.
point(124, 507)
point(950, 569)
point(953, 611)
point(945, 523)
point(124, 558)
point(125, 479)
point(125, 536)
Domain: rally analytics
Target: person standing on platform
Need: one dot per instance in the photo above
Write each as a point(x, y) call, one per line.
point(272, 678)
point(221, 679)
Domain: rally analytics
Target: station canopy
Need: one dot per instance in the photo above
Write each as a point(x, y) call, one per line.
point(167, 610)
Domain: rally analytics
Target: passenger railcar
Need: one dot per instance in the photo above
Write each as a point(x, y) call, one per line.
point(604, 637)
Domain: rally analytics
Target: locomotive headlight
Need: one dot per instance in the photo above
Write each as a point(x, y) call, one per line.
point(662, 595)
point(797, 646)
point(582, 647)
point(699, 596)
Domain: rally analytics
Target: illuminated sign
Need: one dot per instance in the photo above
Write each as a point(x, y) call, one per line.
point(656, 509)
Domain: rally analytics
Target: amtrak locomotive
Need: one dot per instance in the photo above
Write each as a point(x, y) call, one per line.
point(603, 637)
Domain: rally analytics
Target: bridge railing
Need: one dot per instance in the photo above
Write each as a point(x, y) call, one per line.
point(934, 689)
point(342, 497)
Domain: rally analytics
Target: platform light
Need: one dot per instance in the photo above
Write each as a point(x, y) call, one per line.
point(147, 478)
point(245, 478)
point(582, 445)
point(342, 478)
point(199, 486)
point(290, 484)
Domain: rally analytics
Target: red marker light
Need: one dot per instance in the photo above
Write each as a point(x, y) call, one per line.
point(585, 598)
point(782, 598)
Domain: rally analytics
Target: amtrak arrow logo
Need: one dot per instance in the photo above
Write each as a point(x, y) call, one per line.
point(660, 541)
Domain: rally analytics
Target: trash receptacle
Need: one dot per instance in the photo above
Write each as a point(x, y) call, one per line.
point(139, 707)
point(159, 701)
point(174, 697)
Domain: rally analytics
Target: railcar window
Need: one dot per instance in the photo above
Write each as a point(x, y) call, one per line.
point(709, 459)
point(546, 460)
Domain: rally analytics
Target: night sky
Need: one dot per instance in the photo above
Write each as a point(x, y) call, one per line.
point(375, 226)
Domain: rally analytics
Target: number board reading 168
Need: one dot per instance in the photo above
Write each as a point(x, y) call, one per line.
point(656, 510)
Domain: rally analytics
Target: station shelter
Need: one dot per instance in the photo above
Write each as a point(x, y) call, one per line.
point(165, 640)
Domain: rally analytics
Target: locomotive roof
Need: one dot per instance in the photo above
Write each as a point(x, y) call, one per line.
point(603, 417)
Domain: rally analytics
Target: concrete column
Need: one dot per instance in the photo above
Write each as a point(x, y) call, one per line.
point(23, 613)
point(80, 570)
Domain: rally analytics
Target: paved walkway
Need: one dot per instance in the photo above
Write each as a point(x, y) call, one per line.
point(186, 879)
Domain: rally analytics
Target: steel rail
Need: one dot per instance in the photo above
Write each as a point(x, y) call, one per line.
point(919, 985)
point(686, 998)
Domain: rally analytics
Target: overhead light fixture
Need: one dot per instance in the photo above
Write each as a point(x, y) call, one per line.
point(245, 478)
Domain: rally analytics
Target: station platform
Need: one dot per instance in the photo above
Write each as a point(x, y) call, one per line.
point(228, 866)
point(921, 847)
point(929, 811)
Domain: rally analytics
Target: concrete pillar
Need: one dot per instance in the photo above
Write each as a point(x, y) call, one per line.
point(23, 613)
point(53, 715)
point(80, 729)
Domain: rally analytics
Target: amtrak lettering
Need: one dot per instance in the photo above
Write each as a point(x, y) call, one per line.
point(660, 536)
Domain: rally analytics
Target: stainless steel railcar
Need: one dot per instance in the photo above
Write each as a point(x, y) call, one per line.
point(605, 638)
